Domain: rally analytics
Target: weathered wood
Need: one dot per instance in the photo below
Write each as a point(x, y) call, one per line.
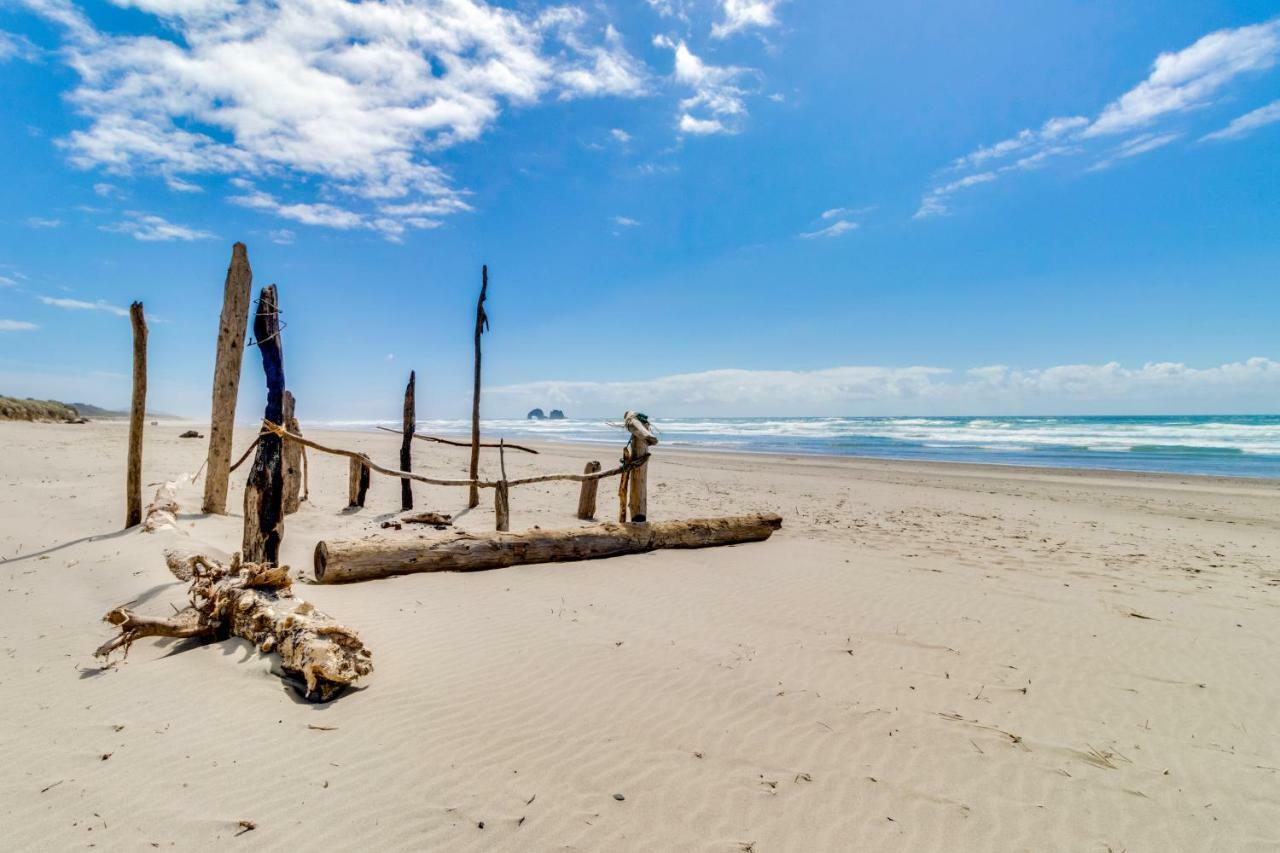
point(641, 440)
point(587, 497)
point(482, 323)
point(357, 482)
point(406, 444)
point(451, 443)
point(264, 491)
point(253, 601)
point(226, 378)
point(624, 484)
point(292, 458)
point(502, 494)
point(137, 411)
point(340, 561)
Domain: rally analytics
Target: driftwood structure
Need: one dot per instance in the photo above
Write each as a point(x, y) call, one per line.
point(587, 497)
point(482, 323)
point(253, 601)
point(406, 444)
point(226, 378)
point(292, 458)
point(340, 561)
point(264, 492)
point(137, 412)
point(642, 438)
point(436, 439)
point(357, 482)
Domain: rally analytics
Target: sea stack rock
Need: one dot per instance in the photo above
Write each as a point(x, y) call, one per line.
point(556, 415)
point(536, 415)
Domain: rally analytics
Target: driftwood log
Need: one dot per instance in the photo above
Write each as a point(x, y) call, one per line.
point(438, 440)
point(340, 561)
point(292, 458)
point(406, 443)
point(587, 498)
point(226, 378)
point(482, 323)
point(137, 411)
point(255, 602)
point(264, 492)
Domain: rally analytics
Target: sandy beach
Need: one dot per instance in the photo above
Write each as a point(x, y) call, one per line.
point(925, 657)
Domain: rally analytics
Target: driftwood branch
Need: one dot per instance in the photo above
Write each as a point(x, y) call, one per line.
point(339, 561)
point(254, 602)
point(451, 443)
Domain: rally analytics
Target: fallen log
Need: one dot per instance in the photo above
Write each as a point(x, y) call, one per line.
point(340, 561)
point(255, 602)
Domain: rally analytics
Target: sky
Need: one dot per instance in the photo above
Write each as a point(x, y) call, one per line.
point(692, 207)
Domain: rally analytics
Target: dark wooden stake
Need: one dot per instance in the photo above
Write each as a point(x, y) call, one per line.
point(502, 494)
point(137, 411)
point(264, 493)
point(587, 498)
point(406, 445)
point(226, 378)
point(292, 458)
point(482, 323)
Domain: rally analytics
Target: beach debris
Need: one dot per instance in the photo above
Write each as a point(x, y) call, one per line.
point(226, 378)
point(246, 826)
point(254, 601)
point(340, 561)
point(191, 434)
point(619, 797)
point(264, 491)
point(436, 519)
point(162, 512)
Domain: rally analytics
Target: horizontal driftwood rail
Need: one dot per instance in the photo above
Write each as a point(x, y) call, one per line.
point(437, 481)
point(453, 443)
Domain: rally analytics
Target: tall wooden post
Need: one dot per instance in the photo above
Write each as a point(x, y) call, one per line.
point(292, 458)
point(641, 440)
point(264, 492)
point(137, 411)
point(587, 498)
point(502, 494)
point(406, 444)
point(482, 323)
point(357, 483)
point(226, 378)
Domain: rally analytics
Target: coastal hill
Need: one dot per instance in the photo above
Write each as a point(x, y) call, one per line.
point(55, 411)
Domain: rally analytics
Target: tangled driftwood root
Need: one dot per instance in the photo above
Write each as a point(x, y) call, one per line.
point(254, 602)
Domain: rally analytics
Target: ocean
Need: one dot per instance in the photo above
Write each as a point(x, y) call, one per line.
point(1223, 445)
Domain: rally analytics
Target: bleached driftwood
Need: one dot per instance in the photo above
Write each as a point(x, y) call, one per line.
point(162, 512)
point(339, 561)
point(255, 602)
point(226, 378)
point(587, 497)
point(642, 438)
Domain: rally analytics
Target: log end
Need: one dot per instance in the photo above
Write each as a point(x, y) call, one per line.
point(321, 560)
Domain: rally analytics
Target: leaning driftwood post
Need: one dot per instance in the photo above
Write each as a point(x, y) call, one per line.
point(256, 602)
point(137, 411)
point(406, 444)
point(482, 323)
point(641, 440)
point(357, 482)
point(226, 378)
point(340, 561)
point(587, 498)
point(264, 492)
point(502, 495)
point(292, 458)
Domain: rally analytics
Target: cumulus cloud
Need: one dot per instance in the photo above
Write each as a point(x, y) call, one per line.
point(1179, 82)
point(17, 326)
point(82, 305)
point(739, 15)
point(150, 228)
point(348, 99)
point(718, 100)
point(898, 390)
point(1246, 124)
point(620, 135)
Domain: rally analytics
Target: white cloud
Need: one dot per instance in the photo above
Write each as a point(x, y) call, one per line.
point(935, 202)
point(1179, 82)
point(150, 228)
point(1249, 122)
point(896, 390)
point(835, 229)
point(347, 99)
point(717, 104)
point(281, 236)
point(625, 222)
point(14, 46)
point(741, 14)
point(40, 222)
point(620, 135)
point(106, 190)
point(81, 305)
point(17, 326)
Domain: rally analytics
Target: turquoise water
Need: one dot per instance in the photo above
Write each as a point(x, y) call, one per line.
point(1225, 445)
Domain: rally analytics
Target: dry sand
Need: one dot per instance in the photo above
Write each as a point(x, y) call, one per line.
point(926, 657)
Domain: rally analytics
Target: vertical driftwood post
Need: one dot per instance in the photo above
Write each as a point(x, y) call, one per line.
point(264, 492)
point(482, 323)
point(406, 448)
point(137, 410)
point(357, 483)
point(587, 498)
point(501, 494)
point(226, 378)
point(624, 484)
point(292, 458)
point(641, 440)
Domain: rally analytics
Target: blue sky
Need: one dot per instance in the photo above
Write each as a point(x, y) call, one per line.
point(690, 206)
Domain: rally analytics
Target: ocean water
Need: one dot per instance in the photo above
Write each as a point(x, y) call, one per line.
point(1224, 445)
